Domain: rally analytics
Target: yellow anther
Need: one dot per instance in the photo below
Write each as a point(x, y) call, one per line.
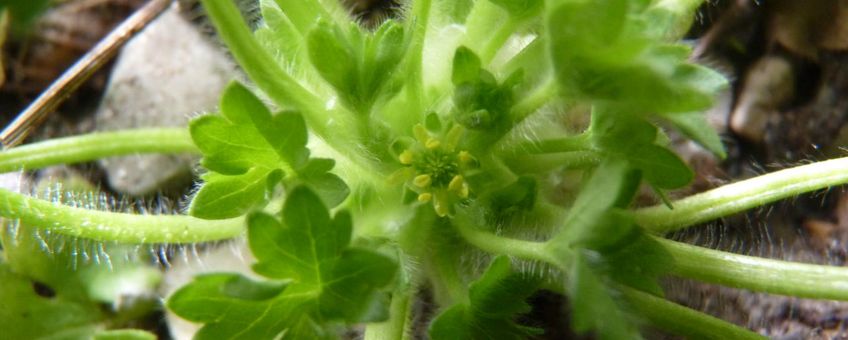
point(420, 133)
point(456, 183)
point(465, 157)
point(432, 143)
point(463, 193)
point(406, 157)
point(422, 181)
point(425, 197)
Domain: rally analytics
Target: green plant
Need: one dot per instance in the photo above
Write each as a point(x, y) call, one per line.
point(401, 158)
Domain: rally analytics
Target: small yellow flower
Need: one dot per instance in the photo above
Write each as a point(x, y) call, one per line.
point(435, 168)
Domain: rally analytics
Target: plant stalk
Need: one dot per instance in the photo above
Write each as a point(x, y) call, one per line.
point(115, 227)
point(684, 321)
point(758, 274)
point(76, 149)
point(741, 196)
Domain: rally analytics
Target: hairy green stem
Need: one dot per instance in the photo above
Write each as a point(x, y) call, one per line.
point(93, 146)
point(496, 42)
point(323, 119)
point(281, 87)
point(397, 327)
point(758, 274)
point(533, 101)
point(258, 63)
point(414, 69)
point(116, 227)
point(579, 142)
point(740, 196)
point(530, 250)
point(544, 163)
point(684, 321)
point(662, 313)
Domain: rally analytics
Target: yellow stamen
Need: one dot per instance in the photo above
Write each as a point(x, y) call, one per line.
point(463, 193)
point(406, 157)
point(422, 181)
point(425, 197)
point(456, 183)
point(464, 157)
point(432, 143)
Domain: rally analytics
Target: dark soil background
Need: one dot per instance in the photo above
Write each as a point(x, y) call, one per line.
point(787, 62)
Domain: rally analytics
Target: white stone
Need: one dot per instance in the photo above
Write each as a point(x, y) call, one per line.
point(163, 76)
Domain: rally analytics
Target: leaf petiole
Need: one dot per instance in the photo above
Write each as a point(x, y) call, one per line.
point(743, 195)
point(77, 149)
point(758, 274)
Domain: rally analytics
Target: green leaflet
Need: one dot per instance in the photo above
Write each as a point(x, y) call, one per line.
point(597, 223)
point(610, 187)
point(358, 64)
point(34, 316)
point(248, 151)
point(494, 300)
point(316, 279)
point(694, 125)
point(602, 52)
point(633, 138)
point(57, 295)
point(592, 306)
point(279, 35)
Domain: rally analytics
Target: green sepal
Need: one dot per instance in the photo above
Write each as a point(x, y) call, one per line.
point(433, 123)
point(466, 66)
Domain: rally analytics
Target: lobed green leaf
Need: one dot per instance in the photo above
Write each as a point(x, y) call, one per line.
point(494, 300)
